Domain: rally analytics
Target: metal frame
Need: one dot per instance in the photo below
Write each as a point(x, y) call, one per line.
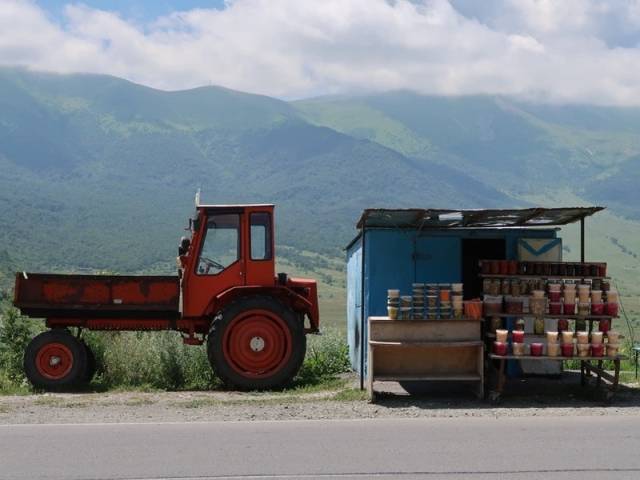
point(488, 218)
point(469, 219)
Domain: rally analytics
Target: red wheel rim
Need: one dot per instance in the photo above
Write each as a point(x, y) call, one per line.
point(54, 361)
point(257, 343)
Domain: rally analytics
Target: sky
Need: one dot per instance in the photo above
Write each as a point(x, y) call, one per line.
point(558, 51)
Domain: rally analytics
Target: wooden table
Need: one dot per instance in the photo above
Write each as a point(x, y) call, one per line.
point(449, 350)
point(586, 370)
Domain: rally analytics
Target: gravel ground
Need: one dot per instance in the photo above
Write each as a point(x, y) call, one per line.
point(530, 397)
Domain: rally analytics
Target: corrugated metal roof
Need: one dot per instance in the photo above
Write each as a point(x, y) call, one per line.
point(493, 218)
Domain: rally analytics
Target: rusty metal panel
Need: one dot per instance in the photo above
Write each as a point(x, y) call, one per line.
point(53, 295)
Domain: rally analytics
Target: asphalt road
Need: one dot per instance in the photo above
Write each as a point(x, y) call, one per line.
point(448, 448)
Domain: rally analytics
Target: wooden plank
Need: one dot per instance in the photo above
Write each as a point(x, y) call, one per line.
point(413, 343)
point(537, 336)
point(423, 320)
point(537, 277)
point(433, 378)
point(543, 357)
point(599, 371)
point(425, 361)
point(440, 331)
point(550, 315)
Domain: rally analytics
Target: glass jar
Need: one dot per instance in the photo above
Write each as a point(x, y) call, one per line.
point(538, 326)
point(496, 324)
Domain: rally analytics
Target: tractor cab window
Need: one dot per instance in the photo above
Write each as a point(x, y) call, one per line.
point(261, 236)
point(221, 246)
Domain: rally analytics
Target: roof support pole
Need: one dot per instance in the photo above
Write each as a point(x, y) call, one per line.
point(362, 319)
point(582, 239)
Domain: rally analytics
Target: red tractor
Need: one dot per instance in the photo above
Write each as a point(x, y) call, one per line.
point(226, 293)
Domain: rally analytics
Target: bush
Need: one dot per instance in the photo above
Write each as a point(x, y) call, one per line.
point(327, 356)
point(155, 359)
point(16, 332)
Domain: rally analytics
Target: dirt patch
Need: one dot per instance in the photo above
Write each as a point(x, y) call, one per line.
point(530, 397)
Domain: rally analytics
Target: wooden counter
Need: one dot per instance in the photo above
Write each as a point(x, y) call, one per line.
point(425, 350)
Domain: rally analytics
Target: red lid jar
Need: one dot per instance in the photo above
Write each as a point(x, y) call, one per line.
point(597, 349)
point(536, 349)
point(567, 349)
point(517, 336)
point(499, 348)
point(611, 308)
point(569, 308)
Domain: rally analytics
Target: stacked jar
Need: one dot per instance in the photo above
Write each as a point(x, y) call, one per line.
point(569, 298)
point(457, 300)
point(393, 303)
point(518, 346)
point(582, 345)
point(597, 345)
point(405, 307)
point(553, 347)
point(567, 347)
point(418, 301)
point(432, 298)
point(612, 343)
point(445, 300)
point(555, 292)
point(538, 308)
point(597, 305)
point(611, 305)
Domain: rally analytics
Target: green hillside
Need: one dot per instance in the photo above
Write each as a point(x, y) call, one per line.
point(99, 173)
point(511, 145)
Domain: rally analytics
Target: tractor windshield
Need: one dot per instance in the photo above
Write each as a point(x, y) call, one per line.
point(221, 246)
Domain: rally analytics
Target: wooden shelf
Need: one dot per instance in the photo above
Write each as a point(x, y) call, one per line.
point(546, 357)
point(426, 350)
point(413, 343)
point(423, 320)
point(540, 336)
point(547, 315)
point(431, 378)
point(544, 277)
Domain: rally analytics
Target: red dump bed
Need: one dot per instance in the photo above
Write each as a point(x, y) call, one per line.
point(71, 296)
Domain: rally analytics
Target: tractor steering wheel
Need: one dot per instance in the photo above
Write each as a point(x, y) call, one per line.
point(211, 263)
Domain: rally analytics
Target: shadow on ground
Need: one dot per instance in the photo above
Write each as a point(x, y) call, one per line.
point(563, 390)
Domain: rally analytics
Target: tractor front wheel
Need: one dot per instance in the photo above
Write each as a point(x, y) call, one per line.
point(55, 360)
point(257, 344)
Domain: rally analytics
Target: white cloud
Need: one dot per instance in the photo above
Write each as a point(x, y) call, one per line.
point(563, 51)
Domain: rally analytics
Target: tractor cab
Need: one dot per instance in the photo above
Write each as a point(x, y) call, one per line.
point(231, 254)
point(230, 246)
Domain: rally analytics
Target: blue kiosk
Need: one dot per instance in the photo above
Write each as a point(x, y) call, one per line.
point(397, 247)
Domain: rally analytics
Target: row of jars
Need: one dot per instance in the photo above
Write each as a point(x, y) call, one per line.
point(586, 344)
point(540, 305)
point(540, 325)
point(518, 287)
point(428, 300)
point(570, 269)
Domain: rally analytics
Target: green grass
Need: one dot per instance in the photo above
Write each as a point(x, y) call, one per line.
point(351, 395)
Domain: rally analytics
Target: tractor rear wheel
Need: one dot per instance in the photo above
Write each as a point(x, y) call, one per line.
point(55, 360)
point(257, 344)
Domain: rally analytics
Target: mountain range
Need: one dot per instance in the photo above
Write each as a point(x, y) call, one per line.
point(99, 173)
